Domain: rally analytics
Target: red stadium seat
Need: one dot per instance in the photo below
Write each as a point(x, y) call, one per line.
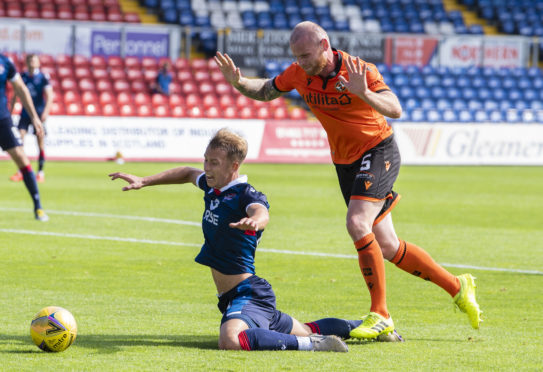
point(99, 73)
point(107, 97)
point(16, 13)
point(206, 88)
point(212, 65)
point(202, 76)
point(212, 112)
point(117, 73)
point(150, 75)
point(134, 74)
point(189, 88)
point(124, 98)
point(82, 72)
point(193, 100)
point(210, 100)
point(57, 109)
point(110, 109)
point(278, 102)
point(242, 102)
point(115, 62)
point(159, 99)
point(121, 86)
point(145, 110)
point(87, 84)
point(65, 15)
point(68, 84)
point(74, 108)
point(181, 64)
point(104, 85)
point(65, 72)
point(175, 89)
point(162, 111)
point(247, 113)
point(139, 86)
point(80, 16)
point(176, 100)
point(217, 77)
point(71, 96)
point(142, 99)
point(127, 110)
point(223, 89)
point(230, 113)
point(132, 17)
point(31, 13)
point(114, 17)
point(199, 64)
point(98, 17)
point(195, 112)
point(89, 97)
point(184, 75)
point(226, 101)
point(149, 63)
point(47, 60)
point(263, 113)
point(80, 61)
point(98, 61)
point(92, 109)
point(280, 113)
point(178, 112)
point(132, 63)
point(298, 113)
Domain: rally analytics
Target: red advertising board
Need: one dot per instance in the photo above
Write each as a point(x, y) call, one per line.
point(294, 142)
point(410, 50)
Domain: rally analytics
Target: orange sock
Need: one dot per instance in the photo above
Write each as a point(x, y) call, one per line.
point(418, 262)
point(372, 266)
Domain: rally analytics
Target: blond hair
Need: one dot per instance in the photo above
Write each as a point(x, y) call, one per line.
point(233, 144)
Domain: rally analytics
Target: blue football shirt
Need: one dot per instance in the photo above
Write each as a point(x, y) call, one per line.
point(36, 84)
point(228, 250)
point(7, 72)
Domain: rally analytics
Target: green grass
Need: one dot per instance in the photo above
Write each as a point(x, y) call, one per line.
point(142, 306)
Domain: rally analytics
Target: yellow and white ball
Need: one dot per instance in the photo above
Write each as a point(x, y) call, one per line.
point(53, 329)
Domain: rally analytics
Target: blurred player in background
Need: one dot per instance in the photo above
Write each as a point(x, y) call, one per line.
point(10, 139)
point(234, 218)
point(351, 100)
point(163, 80)
point(42, 97)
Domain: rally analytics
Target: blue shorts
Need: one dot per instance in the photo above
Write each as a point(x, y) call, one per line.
point(253, 301)
point(9, 134)
point(25, 122)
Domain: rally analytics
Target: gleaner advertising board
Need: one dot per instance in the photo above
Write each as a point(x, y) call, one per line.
point(148, 139)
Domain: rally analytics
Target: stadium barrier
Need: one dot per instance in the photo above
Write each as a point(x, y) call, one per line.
point(165, 139)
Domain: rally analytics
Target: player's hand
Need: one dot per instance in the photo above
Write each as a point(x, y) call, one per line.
point(357, 83)
point(38, 127)
point(231, 73)
point(135, 182)
point(246, 223)
point(44, 117)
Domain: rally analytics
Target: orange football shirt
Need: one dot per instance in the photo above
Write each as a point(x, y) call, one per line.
point(353, 127)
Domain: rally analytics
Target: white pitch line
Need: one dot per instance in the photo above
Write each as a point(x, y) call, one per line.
point(267, 250)
point(118, 216)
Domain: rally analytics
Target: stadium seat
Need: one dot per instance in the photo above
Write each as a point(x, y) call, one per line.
point(92, 109)
point(74, 108)
point(161, 111)
point(178, 111)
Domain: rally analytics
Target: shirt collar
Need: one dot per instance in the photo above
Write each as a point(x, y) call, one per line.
point(241, 179)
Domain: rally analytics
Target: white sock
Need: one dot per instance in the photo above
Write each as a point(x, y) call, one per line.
point(304, 343)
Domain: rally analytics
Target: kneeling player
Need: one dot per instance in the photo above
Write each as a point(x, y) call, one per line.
point(234, 219)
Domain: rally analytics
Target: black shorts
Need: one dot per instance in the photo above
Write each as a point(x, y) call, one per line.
point(372, 176)
point(253, 301)
point(25, 122)
point(9, 134)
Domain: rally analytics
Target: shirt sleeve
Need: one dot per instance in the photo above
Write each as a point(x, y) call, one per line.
point(201, 182)
point(283, 81)
point(251, 196)
point(12, 71)
point(375, 79)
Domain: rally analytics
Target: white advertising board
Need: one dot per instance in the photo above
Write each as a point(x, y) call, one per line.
point(470, 144)
point(39, 37)
point(86, 138)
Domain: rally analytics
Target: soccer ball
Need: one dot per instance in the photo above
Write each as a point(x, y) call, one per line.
point(53, 329)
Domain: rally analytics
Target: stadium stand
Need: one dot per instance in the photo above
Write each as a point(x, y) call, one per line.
point(116, 86)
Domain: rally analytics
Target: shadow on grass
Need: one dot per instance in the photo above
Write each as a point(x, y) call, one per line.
point(115, 343)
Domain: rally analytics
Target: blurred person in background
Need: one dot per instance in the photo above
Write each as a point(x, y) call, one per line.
point(163, 80)
point(42, 97)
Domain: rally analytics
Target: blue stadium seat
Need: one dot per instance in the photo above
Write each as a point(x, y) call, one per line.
point(499, 93)
point(496, 116)
point(465, 116)
point(427, 103)
point(490, 104)
point(459, 103)
point(438, 92)
point(453, 92)
point(481, 116)
point(513, 116)
point(169, 16)
point(418, 115)
point(469, 93)
point(434, 115)
point(515, 94)
point(450, 116)
point(475, 104)
point(443, 104)
point(411, 103)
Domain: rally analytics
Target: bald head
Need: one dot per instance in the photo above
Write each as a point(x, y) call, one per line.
point(308, 32)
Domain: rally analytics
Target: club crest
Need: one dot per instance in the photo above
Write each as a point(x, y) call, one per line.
point(340, 87)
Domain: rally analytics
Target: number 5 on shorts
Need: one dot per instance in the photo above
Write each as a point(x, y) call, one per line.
point(365, 164)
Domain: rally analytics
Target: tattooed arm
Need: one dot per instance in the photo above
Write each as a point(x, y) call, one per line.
point(259, 89)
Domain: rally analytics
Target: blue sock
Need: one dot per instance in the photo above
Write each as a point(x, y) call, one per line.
point(334, 326)
point(29, 179)
point(264, 339)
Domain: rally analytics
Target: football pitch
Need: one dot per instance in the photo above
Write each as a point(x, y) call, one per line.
point(123, 264)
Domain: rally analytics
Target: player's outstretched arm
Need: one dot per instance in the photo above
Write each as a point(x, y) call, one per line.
point(177, 175)
point(257, 219)
point(259, 89)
